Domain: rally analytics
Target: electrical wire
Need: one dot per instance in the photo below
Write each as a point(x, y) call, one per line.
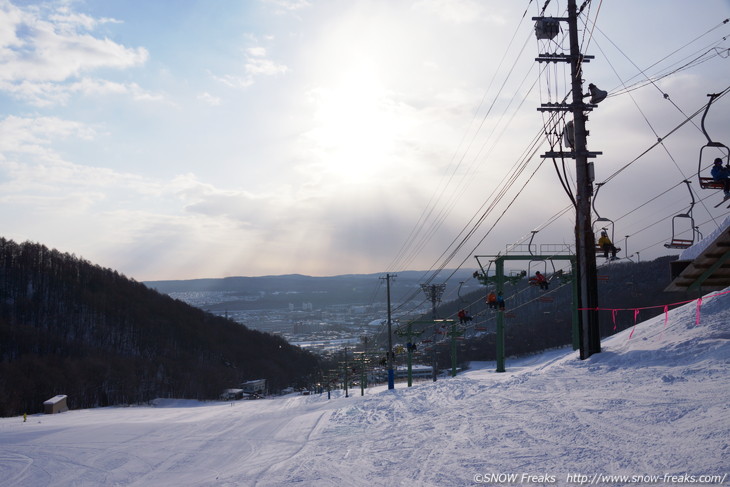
point(468, 234)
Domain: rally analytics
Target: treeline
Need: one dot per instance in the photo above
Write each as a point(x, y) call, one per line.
point(70, 327)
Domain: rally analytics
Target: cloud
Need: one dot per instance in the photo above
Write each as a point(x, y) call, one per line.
point(48, 94)
point(287, 6)
point(43, 55)
point(33, 136)
point(259, 65)
point(256, 64)
point(456, 11)
point(209, 99)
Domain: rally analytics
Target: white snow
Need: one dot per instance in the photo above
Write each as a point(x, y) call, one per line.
point(695, 250)
point(655, 404)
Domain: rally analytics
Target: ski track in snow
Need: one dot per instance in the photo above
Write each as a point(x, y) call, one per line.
point(653, 404)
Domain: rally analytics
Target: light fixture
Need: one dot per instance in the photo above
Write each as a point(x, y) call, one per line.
point(597, 95)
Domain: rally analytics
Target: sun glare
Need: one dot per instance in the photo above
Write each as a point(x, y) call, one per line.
point(355, 126)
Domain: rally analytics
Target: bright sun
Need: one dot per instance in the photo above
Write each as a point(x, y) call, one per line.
point(355, 126)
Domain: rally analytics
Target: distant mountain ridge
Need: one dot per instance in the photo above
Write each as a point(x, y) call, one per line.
point(345, 288)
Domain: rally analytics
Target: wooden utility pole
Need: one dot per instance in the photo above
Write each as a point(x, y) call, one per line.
point(391, 373)
point(587, 299)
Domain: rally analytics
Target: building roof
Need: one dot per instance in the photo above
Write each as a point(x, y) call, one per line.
point(55, 399)
point(706, 268)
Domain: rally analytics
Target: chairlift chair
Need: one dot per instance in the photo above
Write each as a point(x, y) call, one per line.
point(705, 181)
point(683, 243)
point(607, 224)
point(536, 263)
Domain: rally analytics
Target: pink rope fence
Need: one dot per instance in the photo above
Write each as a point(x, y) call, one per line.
point(614, 311)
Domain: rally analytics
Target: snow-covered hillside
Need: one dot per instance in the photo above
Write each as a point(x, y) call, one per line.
point(652, 407)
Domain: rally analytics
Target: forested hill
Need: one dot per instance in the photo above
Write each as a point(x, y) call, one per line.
point(70, 327)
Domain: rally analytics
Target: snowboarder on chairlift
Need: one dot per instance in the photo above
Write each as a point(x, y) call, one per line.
point(605, 243)
point(722, 174)
point(464, 316)
point(540, 280)
point(492, 300)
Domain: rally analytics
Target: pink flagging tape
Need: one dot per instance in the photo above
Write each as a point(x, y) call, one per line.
point(666, 320)
point(636, 313)
point(697, 319)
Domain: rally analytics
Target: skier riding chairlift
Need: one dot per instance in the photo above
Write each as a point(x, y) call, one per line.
point(607, 246)
point(539, 280)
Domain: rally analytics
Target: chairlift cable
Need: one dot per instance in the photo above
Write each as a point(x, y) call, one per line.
point(661, 241)
point(642, 72)
point(431, 205)
point(646, 119)
point(696, 61)
point(724, 22)
point(445, 212)
point(661, 220)
point(672, 131)
point(616, 173)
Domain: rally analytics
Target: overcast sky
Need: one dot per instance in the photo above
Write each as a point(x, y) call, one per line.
point(185, 139)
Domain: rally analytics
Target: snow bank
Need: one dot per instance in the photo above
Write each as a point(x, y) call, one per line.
point(695, 250)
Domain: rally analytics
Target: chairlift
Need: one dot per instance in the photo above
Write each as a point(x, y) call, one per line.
point(515, 276)
point(483, 277)
point(462, 300)
point(537, 263)
point(683, 243)
point(606, 223)
point(709, 182)
point(529, 245)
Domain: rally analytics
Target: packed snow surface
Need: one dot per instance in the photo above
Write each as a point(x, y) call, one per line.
point(651, 408)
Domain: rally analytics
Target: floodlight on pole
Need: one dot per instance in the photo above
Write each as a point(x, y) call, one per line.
point(597, 95)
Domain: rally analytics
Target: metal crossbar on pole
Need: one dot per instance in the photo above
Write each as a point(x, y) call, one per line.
point(434, 293)
point(498, 260)
point(410, 345)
